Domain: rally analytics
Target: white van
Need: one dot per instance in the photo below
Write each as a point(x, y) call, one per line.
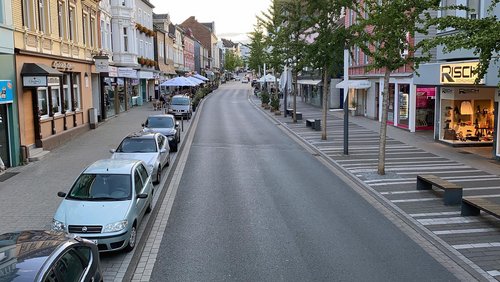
point(181, 106)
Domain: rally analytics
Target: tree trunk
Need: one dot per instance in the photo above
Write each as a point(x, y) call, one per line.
point(325, 102)
point(383, 124)
point(295, 89)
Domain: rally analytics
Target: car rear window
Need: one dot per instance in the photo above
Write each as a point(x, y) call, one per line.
point(137, 145)
point(183, 101)
point(101, 187)
point(160, 122)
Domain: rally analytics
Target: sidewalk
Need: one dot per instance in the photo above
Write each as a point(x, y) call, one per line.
point(472, 241)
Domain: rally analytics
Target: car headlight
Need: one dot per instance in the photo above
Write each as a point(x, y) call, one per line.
point(170, 138)
point(114, 227)
point(58, 225)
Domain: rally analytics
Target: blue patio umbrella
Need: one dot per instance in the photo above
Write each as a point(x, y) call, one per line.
point(195, 80)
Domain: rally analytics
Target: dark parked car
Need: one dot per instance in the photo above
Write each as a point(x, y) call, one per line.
point(37, 255)
point(166, 125)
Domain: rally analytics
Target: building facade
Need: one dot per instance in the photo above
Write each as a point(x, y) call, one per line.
point(55, 42)
point(466, 114)
point(9, 133)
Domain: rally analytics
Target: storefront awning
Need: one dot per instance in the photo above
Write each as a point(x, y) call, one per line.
point(309, 81)
point(355, 84)
point(32, 69)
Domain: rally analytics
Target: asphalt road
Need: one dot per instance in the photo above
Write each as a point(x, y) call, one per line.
point(253, 205)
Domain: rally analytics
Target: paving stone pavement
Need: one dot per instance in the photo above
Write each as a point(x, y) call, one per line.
point(474, 239)
point(29, 200)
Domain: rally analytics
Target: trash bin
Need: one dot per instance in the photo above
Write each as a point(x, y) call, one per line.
point(93, 118)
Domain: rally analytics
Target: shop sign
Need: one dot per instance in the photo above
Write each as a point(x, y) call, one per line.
point(145, 75)
point(461, 73)
point(127, 72)
point(101, 63)
point(53, 80)
point(112, 71)
point(6, 92)
point(34, 81)
point(62, 66)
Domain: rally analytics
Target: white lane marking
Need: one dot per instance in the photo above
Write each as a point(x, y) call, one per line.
point(433, 214)
point(448, 220)
point(494, 272)
point(388, 159)
point(392, 183)
point(465, 231)
point(416, 200)
point(477, 245)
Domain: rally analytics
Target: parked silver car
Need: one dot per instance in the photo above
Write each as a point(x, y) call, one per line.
point(166, 125)
point(42, 255)
point(107, 203)
point(150, 147)
point(180, 106)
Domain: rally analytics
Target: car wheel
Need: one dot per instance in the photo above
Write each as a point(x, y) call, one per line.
point(158, 175)
point(131, 240)
point(175, 147)
point(149, 208)
point(168, 160)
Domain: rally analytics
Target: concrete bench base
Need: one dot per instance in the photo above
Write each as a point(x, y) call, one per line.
point(314, 123)
point(473, 207)
point(452, 192)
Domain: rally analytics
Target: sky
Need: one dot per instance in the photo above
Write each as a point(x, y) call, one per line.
point(233, 18)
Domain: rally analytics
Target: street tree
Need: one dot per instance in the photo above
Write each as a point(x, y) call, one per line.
point(232, 61)
point(272, 22)
point(482, 35)
point(293, 29)
point(382, 29)
point(326, 35)
point(257, 47)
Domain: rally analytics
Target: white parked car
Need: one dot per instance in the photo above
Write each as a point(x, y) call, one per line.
point(150, 147)
point(107, 203)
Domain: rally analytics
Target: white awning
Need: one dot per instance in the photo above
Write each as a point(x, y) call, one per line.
point(309, 81)
point(355, 84)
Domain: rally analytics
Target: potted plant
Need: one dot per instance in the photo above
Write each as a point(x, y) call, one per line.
point(275, 102)
point(353, 107)
point(264, 98)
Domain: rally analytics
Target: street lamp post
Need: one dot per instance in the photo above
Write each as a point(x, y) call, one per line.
point(346, 108)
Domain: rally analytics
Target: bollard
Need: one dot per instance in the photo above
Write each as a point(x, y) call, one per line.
point(182, 123)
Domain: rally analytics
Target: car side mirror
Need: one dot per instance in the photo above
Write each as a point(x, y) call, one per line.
point(61, 194)
point(176, 124)
point(142, 196)
point(112, 151)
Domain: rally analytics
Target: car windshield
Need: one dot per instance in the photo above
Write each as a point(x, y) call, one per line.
point(101, 187)
point(180, 101)
point(137, 145)
point(160, 122)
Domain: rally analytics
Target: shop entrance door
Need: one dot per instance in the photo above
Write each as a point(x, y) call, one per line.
point(4, 133)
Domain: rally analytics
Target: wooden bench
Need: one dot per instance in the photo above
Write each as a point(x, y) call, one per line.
point(473, 207)
point(314, 123)
point(452, 191)
point(298, 114)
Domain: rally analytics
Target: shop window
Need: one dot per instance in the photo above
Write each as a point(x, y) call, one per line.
point(76, 90)
point(425, 101)
point(43, 101)
point(390, 106)
point(404, 113)
point(55, 95)
point(67, 93)
point(467, 121)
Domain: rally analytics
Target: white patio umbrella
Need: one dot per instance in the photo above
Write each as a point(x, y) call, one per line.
point(267, 78)
point(179, 81)
point(199, 76)
point(195, 80)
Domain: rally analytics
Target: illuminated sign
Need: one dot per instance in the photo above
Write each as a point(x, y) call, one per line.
point(6, 95)
point(461, 73)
